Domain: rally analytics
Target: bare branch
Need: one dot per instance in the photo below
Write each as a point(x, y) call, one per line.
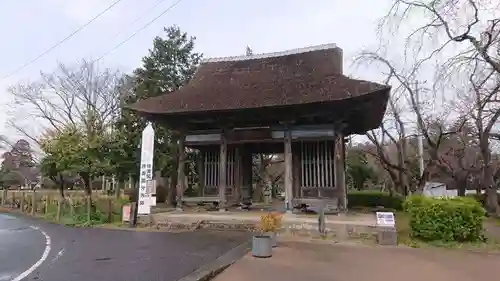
point(80, 96)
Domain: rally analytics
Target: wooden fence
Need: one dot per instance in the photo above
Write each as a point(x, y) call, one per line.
point(74, 208)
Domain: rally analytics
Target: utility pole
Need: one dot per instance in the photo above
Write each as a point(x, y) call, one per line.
point(419, 135)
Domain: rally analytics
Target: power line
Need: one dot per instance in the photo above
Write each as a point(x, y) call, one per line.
point(63, 40)
point(138, 31)
point(158, 2)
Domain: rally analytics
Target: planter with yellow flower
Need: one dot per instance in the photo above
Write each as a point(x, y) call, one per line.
point(263, 242)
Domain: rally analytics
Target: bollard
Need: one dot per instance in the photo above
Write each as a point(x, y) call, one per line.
point(321, 220)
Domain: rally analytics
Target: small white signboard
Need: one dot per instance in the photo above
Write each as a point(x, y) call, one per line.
point(146, 170)
point(126, 213)
point(385, 219)
point(151, 186)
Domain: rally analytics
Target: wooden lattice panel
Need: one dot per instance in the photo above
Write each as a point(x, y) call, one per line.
point(317, 175)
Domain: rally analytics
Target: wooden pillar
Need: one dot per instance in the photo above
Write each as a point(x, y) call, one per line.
point(237, 176)
point(339, 167)
point(296, 173)
point(288, 170)
point(222, 173)
point(246, 171)
point(200, 165)
point(180, 172)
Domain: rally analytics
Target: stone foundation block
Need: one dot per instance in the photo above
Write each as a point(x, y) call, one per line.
point(387, 236)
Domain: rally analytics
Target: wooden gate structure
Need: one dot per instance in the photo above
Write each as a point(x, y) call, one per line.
point(295, 102)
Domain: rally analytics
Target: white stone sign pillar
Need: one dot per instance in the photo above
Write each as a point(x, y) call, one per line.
point(145, 198)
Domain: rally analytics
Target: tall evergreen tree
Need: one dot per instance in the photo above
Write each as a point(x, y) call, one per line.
point(170, 64)
point(18, 166)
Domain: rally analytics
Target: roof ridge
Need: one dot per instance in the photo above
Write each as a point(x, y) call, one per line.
point(272, 54)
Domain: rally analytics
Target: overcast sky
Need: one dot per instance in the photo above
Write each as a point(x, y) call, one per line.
point(222, 28)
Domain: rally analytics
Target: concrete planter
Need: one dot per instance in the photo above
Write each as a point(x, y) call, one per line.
point(274, 238)
point(262, 246)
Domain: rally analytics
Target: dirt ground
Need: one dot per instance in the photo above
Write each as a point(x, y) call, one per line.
point(294, 261)
point(492, 229)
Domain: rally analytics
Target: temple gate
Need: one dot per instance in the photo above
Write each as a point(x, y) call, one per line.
point(296, 103)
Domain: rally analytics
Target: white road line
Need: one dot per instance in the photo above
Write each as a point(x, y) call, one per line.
point(40, 261)
point(59, 254)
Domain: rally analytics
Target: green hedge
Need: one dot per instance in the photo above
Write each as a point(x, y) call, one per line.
point(374, 199)
point(481, 198)
point(448, 219)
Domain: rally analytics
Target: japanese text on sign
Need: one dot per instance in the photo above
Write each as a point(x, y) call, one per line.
point(385, 219)
point(145, 198)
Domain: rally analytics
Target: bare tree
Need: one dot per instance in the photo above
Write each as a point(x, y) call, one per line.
point(394, 132)
point(384, 140)
point(82, 96)
point(447, 144)
point(458, 163)
point(267, 171)
point(464, 34)
point(482, 103)
point(71, 96)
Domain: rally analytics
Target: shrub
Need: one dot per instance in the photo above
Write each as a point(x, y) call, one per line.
point(449, 219)
point(374, 199)
point(481, 198)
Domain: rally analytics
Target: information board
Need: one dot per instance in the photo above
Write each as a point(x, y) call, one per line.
point(385, 219)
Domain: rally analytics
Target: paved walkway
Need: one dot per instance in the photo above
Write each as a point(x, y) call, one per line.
point(254, 216)
point(318, 262)
point(53, 252)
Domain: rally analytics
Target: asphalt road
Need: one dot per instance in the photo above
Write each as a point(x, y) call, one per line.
point(82, 254)
point(20, 247)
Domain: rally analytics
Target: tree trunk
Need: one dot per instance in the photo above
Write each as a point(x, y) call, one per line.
point(491, 201)
point(60, 184)
point(118, 188)
point(257, 195)
point(87, 184)
point(403, 179)
point(461, 186)
point(478, 186)
point(488, 182)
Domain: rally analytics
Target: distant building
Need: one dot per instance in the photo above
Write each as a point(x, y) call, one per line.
point(438, 189)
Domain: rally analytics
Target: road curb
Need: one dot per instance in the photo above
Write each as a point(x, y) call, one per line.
point(215, 267)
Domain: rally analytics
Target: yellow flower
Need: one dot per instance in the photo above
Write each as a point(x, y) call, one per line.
point(270, 222)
